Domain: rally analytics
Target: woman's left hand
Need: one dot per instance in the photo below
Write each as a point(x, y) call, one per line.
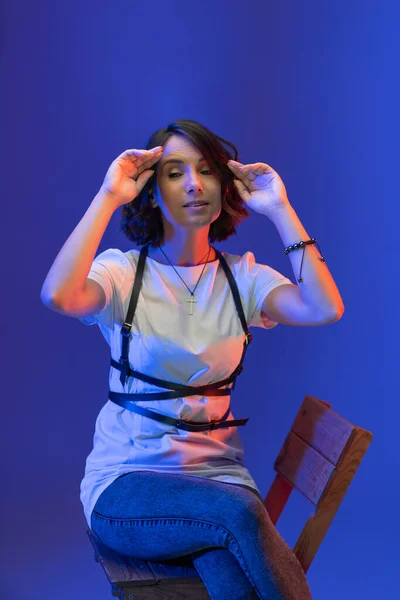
point(259, 186)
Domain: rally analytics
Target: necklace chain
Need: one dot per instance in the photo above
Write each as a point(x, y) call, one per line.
point(191, 300)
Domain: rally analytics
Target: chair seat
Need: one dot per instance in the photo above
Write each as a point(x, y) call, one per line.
point(133, 579)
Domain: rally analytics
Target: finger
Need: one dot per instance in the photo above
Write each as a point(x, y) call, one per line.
point(234, 164)
point(145, 166)
point(252, 166)
point(143, 179)
point(138, 156)
point(142, 151)
point(252, 171)
point(242, 190)
point(147, 159)
point(237, 168)
point(142, 160)
point(133, 153)
point(240, 168)
point(147, 162)
point(242, 172)
point(261, 168)
point(249, 172)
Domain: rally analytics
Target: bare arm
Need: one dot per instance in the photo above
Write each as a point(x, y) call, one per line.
point(66, 288)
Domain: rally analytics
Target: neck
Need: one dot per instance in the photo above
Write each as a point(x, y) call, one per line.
point(183, 256)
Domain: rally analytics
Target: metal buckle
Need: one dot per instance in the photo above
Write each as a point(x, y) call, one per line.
point(125, 330)
point(249, 338)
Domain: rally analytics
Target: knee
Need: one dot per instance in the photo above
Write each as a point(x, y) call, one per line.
point(250, 511)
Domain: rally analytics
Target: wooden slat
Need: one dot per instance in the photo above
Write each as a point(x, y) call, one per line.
point(121, 569)
point(303, 467)
point(190, 591)
point(176, 578)
point(317, 525)
point(173, 573)
point(322, 428)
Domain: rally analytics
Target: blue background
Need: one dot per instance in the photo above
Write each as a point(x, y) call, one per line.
point(310, 87)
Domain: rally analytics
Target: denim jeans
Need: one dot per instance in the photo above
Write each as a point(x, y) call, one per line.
point(223, 528)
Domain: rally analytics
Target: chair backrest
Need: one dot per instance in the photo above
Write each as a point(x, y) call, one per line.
point(319, 458)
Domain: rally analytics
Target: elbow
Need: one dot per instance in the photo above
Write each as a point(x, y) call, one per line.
point(340, 311)
point(337, 314)
point(49, 300)
point(45, 297)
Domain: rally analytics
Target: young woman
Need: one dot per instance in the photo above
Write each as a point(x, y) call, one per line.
point(166, 476)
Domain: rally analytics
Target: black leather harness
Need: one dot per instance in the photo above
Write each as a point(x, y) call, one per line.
point(178, 390)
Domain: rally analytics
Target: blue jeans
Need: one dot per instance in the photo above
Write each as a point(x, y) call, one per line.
point(224, 528)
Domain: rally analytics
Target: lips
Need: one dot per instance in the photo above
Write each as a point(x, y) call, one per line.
point(195, 204)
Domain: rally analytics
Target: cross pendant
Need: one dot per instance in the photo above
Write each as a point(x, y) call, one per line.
point(191, 299)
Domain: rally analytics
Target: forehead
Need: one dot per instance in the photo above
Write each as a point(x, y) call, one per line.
point(180, 148)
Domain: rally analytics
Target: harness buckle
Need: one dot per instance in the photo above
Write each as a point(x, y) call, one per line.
point(125, 330)
point(249, 338)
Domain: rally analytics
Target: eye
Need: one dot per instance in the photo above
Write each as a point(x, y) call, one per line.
point(171, 175)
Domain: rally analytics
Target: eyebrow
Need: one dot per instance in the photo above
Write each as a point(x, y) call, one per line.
point(178, 161)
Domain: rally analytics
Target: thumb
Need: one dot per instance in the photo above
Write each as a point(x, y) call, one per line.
point(143, 179)
point(242, 190)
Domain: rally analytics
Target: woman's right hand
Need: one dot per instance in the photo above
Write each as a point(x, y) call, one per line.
point(128, 174)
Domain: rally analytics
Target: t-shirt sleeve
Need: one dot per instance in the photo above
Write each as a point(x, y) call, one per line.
point(109, 270)
point(261, 279)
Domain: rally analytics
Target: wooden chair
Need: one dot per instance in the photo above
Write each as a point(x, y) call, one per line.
point(319, 458)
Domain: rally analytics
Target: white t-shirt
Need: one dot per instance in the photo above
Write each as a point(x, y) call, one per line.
point(169, 343)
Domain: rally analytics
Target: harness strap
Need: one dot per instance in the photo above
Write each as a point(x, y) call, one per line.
point(127, 325)
point(182, 390)
point(178, 390)
point(179, 423)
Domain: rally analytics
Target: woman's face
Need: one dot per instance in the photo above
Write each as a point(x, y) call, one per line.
point(184, 176)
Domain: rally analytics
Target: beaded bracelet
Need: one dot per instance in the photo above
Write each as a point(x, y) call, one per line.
point(303, 245)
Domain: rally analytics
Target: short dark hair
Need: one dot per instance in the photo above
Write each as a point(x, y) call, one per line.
point(142, 223)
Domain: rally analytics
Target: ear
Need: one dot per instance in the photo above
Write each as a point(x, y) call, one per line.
point(152, 200)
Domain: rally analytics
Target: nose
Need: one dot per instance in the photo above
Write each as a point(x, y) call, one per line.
point(193, 182)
